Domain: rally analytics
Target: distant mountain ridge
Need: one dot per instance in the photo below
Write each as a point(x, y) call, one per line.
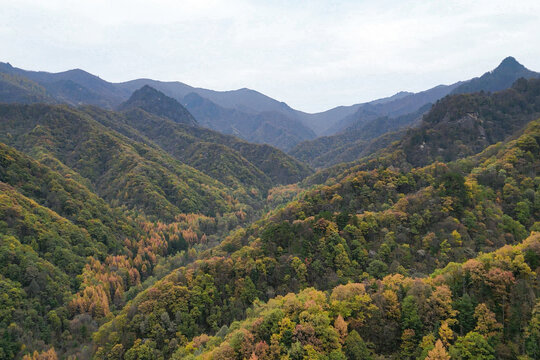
point(74, 87)
point(244, 112)
point(403, 105)
point(457, 126)
point(375, 119)
point(357, 141)
point(267, 127)
point(500, 78)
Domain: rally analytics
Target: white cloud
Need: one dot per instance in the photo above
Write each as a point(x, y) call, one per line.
point(311, 54)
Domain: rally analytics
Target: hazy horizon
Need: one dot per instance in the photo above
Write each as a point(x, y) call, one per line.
point(315, 58)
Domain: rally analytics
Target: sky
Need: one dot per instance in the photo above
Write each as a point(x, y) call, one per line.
point(314, 55)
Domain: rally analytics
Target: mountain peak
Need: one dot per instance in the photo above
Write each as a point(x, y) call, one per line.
point(155, 102)
point(509, 64)
point(146, 91)
point(502, 77)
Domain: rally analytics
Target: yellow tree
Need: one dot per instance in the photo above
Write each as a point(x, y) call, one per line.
point(500, 282)
point(446, 334)
point(341, 326)
point(438, 352)
point(486, 323)
point(46, 355)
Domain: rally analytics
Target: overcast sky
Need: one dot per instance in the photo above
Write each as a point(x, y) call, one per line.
point(313, 55)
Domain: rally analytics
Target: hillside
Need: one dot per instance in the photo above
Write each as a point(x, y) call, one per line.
point(383, 118)
point(367, 225)
point(50, 227)
point(462, 125)
point(16, 89)
point(97, 216)
point(268, 166)
point(68, 258)
point(246, 113)
point(265, 121)
point(396, 316)
point(122, 171)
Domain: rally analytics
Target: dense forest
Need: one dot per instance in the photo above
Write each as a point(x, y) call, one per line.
point(403, 223)
point(129, 231)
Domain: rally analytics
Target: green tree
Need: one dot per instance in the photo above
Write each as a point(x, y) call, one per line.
point(472, 346)
point(355, 348)
point(140, 351)
point(426, 345)
point(532, 334)
point(408, 344)
point(377, 269)
point(410, 319)
point(523, 212)
point(465, 308)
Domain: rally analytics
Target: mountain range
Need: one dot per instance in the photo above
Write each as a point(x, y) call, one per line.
point(245, 113)
point(131, 228)
point(374, 125)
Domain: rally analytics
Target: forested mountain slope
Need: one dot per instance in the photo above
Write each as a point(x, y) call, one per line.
point(369, 224)
point(50, 225)
point(17, 89)
point(372, 121)
point(479, 309)
point(456, 126)
point(102, 210)
point(87, 141)
point(176, 139)
point(68, 259)
point(242, 166)
point(462, 125)
point(244, 112)
point(136, 234)
point(122, 171)
point(265, 121)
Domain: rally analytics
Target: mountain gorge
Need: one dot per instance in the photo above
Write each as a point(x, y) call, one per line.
point(137, 222)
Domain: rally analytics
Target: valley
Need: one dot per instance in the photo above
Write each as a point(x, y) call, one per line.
point(156, 220)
